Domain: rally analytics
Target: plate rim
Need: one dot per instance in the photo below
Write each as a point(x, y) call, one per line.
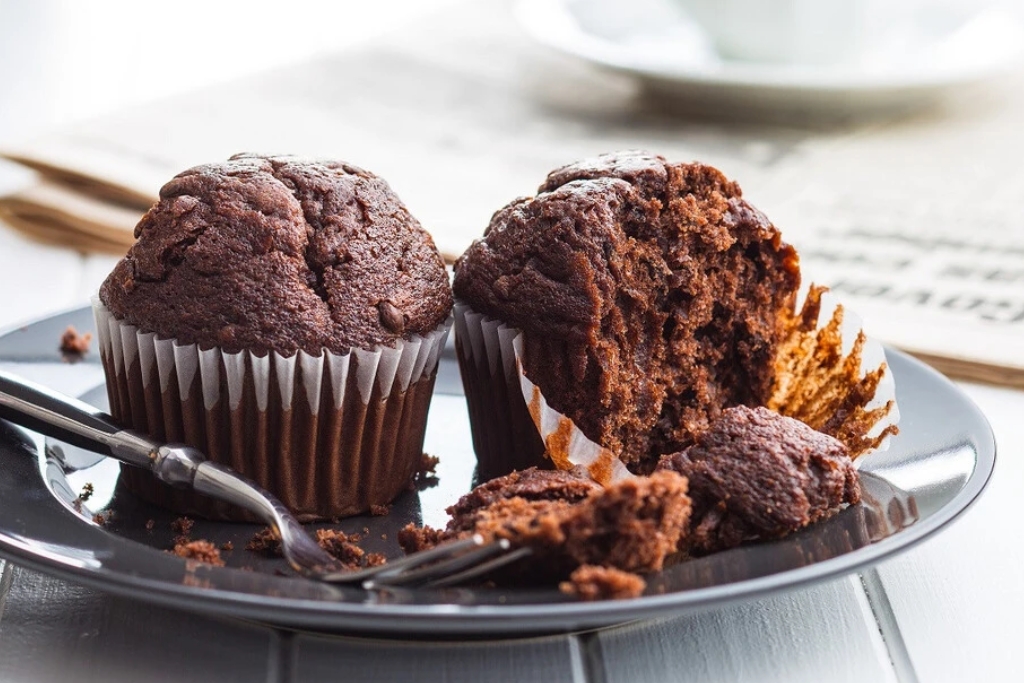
point(535, 15)
point(535, 618)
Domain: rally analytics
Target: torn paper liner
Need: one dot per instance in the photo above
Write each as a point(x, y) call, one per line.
point(829, 374)
point(513, 426)
point(329, 435)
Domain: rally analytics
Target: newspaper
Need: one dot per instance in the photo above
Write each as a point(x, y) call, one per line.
point(919, 226)
point(460, 116)
point(915, 222)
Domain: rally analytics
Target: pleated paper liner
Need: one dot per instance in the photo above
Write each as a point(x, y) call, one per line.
point(330, 435)
point(832, 377)
point(828, 375)
point(504, 435)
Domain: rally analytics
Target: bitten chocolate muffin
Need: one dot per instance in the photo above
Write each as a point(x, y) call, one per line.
point(755, 474)
point(649, 295)
point(569, 521)
point(285, 317)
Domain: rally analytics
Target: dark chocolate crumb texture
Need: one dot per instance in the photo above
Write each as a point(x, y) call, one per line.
point(568, 521)
point(280, 254)
point(752, 475)
point(650, 295)
point(756, 475)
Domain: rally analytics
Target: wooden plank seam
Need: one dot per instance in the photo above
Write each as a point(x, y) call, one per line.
point(281, 657)
point(591, 657)
point(888, 626)
point(6, 582)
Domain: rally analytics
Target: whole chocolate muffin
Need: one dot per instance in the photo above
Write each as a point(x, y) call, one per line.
point(649, 295)
point(280, 254)
point(284, 316)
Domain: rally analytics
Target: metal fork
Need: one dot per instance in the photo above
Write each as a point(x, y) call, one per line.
point(80, 424)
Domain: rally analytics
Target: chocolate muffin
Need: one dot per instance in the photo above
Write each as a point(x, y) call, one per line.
point(755, 474)
point(649, 296)
point(285, 316)
point(280, 254)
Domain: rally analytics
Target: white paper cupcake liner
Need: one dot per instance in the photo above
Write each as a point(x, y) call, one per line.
point(824, 359)
point(330, 435)
point(833, 377)
point(511, 404)
point(504, 435)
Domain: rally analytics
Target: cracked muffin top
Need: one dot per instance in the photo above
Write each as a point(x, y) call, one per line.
point(280, 254)
point(650, 296)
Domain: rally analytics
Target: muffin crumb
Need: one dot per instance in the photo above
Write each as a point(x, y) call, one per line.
point(87, 491)
point(182, 528)
point(428, 464)
point(201, 551)
point(74, 345)
point(82, 497)
point(414, 538)
point(590, 582)
point(425, 475)
point(266, 542)
point(380, 510)
point(343, 547)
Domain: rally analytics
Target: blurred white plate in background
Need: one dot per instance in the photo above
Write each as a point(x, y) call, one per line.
point(917, 58)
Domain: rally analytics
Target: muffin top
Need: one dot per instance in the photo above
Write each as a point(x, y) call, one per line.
point(280, 254)
point(649, 294)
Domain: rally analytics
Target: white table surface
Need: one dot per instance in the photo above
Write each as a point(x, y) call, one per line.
point(950, 609)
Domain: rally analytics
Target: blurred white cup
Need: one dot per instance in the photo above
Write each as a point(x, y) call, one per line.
point(814, 32)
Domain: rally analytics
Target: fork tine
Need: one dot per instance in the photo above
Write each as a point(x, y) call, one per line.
point(447, 564)
point(481, 569)
point(406, 563)
point(440, 569)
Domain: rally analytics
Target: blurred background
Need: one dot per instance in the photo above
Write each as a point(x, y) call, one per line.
point(62, 61)
point(880, 136)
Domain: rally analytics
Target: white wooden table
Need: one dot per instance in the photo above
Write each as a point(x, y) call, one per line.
point(951, 609)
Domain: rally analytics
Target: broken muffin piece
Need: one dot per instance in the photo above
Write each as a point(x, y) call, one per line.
point(569, 521)
point(532, 485)
point(755, 474)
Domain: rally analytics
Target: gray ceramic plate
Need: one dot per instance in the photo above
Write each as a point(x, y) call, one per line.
point(933, 470)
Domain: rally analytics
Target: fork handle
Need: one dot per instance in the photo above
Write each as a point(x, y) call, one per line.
point(223, 483)
point(62, 417)
point(70, 420)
